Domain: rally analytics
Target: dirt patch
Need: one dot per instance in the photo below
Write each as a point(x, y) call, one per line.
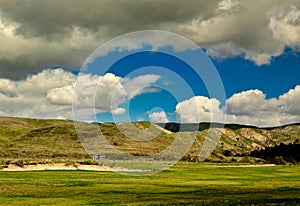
point(40, 167)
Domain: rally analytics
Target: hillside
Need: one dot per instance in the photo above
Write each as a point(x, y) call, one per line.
point(31, 141)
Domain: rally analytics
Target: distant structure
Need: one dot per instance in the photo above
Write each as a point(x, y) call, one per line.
point(98, 157)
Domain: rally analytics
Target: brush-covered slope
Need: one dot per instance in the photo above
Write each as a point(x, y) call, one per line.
point(38, 141)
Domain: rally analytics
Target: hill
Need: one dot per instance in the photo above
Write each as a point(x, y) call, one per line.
point(31, 141)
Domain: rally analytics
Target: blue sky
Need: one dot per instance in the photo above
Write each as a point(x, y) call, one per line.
point(237, 74)
point(274, 79)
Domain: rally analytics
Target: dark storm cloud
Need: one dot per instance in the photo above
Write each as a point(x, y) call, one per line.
point(55, 18)
point(35, 34)
point(38, 28)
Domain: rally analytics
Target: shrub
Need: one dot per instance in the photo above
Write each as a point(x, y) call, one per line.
point(233, 160)
point(227, 153)
point(20, 163)
point(279, 160)
point(89, 162)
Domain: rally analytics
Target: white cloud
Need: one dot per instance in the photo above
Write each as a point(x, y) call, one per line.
point(290, 101)
point(252, 107)
point(224, 50)
point(7, 87)
point(199, 109)
point(138, 85)
point(110, 92)
point(158, 117)
point(50, 93)
point(41, 83)
point(84, 90)
point(246, 102)
point(61, 96)
point(247, 107)
point(118, 111)
point(37, 95)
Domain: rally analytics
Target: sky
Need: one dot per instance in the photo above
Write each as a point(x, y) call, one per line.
point(249, 49)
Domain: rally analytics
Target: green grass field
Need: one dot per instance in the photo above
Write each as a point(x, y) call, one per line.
point(185, 183)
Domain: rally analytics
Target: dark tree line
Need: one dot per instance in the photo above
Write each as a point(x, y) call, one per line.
point(277, 154)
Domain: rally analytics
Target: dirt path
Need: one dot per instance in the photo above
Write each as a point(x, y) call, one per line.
point(40, 167)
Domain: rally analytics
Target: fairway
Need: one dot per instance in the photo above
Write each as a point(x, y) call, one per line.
point(185, 183)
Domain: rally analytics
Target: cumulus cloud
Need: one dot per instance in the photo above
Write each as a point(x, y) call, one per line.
point(61, 96)
point(110, 92)
point(50, 93)
point(35, 37)
point(199, 109)
point(37, 95)
point(113, 90)
point(106, 93)
point(140, 84)
point(7, 87)
point(264, 112)
point(158, 117)
point(289, 102)
point(247, 107)
point(118, 111)
point(247, 102)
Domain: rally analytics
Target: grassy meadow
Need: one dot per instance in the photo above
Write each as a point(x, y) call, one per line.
point(185, 183)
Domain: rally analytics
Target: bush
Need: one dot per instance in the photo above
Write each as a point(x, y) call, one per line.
point(89, 162)
point(20, 163)
point(227, 153)
point(233, 160)
point(279, 160)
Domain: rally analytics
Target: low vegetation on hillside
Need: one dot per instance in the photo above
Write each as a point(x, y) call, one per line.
point(33, 141)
